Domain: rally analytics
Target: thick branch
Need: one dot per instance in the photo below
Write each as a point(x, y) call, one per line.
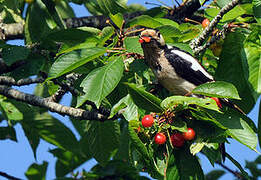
point(199, 41)
point(15, 31)
point(52, 106)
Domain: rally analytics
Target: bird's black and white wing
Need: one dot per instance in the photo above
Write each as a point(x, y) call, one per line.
point(187, 67)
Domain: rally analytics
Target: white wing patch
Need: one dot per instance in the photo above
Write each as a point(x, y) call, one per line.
point(195, 64)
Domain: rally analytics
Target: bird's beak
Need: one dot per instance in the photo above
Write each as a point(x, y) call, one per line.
point(144, 39)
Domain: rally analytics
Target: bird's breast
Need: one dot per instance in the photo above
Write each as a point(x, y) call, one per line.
point(169, 79)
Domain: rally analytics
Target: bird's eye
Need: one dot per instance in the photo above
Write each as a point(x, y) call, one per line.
point(159, 35)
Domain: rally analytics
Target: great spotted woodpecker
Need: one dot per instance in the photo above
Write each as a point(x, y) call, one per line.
point(175, 69)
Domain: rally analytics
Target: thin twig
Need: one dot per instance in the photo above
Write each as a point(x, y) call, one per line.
point(9, 176)
point(196, 43)
point(235, 173)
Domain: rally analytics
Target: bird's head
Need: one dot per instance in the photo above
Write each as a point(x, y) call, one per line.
point(151, 38)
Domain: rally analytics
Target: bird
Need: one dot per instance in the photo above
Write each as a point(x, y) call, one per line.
point(176, 70)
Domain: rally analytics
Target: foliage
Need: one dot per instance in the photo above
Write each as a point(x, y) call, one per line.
point(114, 76)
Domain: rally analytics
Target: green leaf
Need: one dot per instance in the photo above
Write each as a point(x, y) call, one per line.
point(183, 165)
point(49, 129)
point(167, 22)
point(233, 68)
point(218, 89)
point(236, 127)
point(196, 148)
point(117, 19)
point(169, 31)
point(132, 45)
point(7, 133)
point(207, 103)
point(72, 60)
point(144, 99)
point(144, 20)
point(130, 111)
point(214, 175)
point(37, 171)
point(259, 125)
point(38, 22)
point(118, 170)
point(11, 54)
point(112, 6)
point(257, 10)
point(101, 81)
point(106, 34)
point(64, 10)
point(145, 156)
point(67, 161)
point(252, 47)
point(102, 139)
point(9, 110)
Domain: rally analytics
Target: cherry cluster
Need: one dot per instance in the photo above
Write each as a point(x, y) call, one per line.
point(177, 138)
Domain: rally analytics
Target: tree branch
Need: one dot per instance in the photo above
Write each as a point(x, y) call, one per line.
point(8, 176)
point(6, 80)
point(199, 41)
point(235, 173)
point(52, 106)
point(15, 30)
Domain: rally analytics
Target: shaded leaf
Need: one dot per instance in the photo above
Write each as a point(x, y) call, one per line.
point(236, 127)
point(9, 110)
point(252, 47)
point(183, 165)
point(7, 133)
point(257, 10)
point(232, 68)
point(219, 89)
point(11, 54)
point(141, 148)
point(101, 139)
point(101, 81)
point(214, 175)
point(129, 108)
point(38, 22)
point(67, 161)
point(144, 99)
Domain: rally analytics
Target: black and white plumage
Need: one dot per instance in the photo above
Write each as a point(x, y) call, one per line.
point(176, 70)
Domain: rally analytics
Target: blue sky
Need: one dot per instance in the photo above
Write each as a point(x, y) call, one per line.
point(15, 158)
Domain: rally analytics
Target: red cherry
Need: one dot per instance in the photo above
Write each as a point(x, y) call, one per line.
point(147, 121)
point(205, 23)
point(177, 140)
point(160, 138)
point(141, 40)
point(189, 135)
point(217, 101)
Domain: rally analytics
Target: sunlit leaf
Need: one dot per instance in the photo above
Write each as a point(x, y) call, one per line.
point(171, 101)
point(101, 81)
point(219, 89)
point(37, 171)
point(72, 60)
